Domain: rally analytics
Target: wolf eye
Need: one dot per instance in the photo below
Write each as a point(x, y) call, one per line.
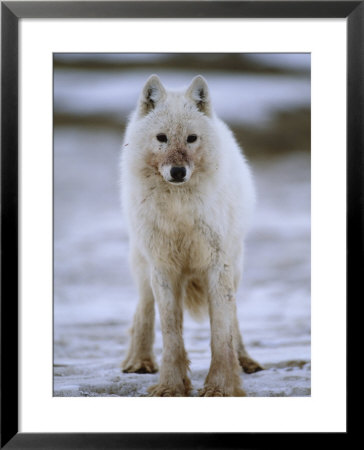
point(162, 137)
point(191, 138)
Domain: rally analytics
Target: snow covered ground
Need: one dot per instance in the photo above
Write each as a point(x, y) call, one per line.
point(94, 295)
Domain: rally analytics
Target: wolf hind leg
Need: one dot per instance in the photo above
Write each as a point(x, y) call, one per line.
point(248, 364)
point(140, 358)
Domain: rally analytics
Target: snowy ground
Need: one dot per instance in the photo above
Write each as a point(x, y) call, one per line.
point(94, 296)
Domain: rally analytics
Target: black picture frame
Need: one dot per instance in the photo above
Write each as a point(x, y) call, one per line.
point(11, 12)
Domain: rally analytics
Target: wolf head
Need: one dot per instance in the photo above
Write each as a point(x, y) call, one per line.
point(173, 131)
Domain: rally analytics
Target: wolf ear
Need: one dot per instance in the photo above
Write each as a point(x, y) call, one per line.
point(152, 93)
point(199, 93)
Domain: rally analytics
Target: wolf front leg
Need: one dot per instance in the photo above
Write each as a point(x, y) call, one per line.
point(223, 379)
point(174, 381)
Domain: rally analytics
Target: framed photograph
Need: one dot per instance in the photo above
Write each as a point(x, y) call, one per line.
point(286, 79)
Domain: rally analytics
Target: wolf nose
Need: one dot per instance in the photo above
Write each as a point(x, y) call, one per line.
point(178, 173)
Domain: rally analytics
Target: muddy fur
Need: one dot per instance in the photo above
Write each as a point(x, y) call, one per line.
point(186, 235)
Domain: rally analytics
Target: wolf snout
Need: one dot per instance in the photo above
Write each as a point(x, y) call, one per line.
point(178, 173)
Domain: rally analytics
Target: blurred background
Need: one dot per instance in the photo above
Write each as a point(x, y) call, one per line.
point(265, 99)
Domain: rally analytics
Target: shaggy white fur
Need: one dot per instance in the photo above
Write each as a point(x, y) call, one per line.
point(188, 196)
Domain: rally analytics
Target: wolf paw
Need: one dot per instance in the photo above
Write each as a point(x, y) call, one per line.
point(139, 366)
point(211, 390)
point(166, 390)
point(249, 365)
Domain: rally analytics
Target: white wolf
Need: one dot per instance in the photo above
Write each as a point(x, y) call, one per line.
point(188, 196)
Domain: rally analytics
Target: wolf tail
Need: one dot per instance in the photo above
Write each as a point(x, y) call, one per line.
point(195, 299)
